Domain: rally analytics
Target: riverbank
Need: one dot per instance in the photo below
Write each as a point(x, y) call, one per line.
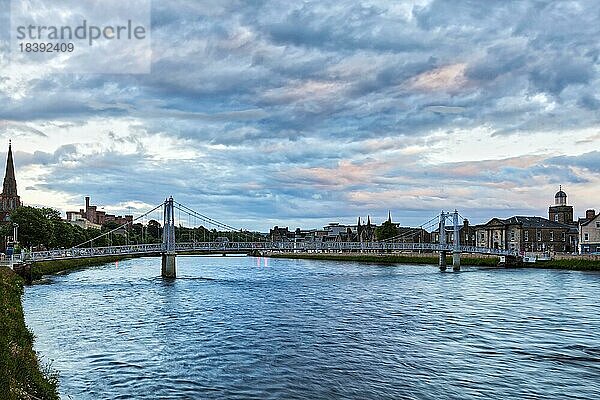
point(39, 269)
point(406, 258)
point(572, 263)
point(21, 374)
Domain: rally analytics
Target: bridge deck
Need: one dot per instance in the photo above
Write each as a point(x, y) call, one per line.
point(216, 247)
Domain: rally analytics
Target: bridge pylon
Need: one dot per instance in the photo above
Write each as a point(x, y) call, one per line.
point(456, 242)
point(442, 261)
point(169, 269)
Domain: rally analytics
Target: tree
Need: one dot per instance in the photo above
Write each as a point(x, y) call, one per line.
point(35, 228)
point(154, 229)
point(387, 230)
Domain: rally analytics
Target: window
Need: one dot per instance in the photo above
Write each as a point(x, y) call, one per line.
point(564, 237)
point(556, 217)
point(539, 236)
point(586, 236)
point(512, 235)
point(527, 236)
point(482, 236)
point(597, 224)
point(551, 236)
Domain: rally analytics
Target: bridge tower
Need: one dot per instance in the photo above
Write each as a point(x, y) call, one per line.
point(168, 255)
point(456, 241)
point(442, 235)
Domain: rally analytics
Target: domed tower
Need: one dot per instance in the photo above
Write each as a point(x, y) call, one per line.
point(560, 211)
point(560, 198)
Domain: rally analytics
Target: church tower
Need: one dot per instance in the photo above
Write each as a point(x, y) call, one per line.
point(560, 211)
point(9, 199)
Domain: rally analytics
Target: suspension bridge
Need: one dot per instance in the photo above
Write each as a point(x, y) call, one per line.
point(251, 243)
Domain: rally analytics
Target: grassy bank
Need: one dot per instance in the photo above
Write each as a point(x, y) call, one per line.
point(52, 267)
point(21, 375)
point(388, 258)
point(570, 264)
point(574, 264)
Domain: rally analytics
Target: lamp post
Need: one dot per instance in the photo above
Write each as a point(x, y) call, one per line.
point(15, 232)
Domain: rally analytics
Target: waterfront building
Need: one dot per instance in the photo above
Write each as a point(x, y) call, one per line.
point(589, 232)
point(95, 218)
point(9, 199)
point(527, 234)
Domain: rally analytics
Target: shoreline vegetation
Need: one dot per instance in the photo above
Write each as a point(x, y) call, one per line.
point(573, 263)
point(39, 269)
point(22, 374)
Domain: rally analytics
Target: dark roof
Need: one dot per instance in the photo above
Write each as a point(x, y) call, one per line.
point(535, 222)
point(530, 222)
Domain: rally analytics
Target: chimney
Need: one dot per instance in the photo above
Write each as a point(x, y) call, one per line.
point(590, 214)
point(466, 223)
point(87, 202)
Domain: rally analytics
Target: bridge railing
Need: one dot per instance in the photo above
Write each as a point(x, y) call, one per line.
point(92, 252)
point(250, 246)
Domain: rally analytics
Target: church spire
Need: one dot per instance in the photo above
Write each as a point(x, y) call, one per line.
point(389, 216)
point(9, 199)
point(10, 183)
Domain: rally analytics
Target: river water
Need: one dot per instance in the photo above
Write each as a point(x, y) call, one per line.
point(250, 328)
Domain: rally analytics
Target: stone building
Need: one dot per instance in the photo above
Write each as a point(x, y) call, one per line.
point(589, 232)
point(527, 234)
point(281, 234)
point(91, 217)
point(9, 199)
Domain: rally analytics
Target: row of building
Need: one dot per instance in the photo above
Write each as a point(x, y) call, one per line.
point(557, 233)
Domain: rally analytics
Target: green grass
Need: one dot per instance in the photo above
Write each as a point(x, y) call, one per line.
point(388, 258)
point(52, 267)
point(572, 264)
point(21, 375)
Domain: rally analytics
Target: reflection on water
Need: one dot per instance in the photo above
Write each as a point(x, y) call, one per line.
point(245, 328)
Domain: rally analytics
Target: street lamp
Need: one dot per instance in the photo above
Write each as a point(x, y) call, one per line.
point(15, 232)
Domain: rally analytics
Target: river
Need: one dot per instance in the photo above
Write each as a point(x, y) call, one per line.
point(256, 328)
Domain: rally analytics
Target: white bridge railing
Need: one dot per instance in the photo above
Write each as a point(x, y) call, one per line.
point(244, 247)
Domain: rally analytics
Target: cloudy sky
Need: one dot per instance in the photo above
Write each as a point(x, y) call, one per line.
point(302, 113)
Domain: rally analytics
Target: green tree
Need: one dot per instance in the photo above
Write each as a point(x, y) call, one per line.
point(63, 235)
point(34, 226)
point(154, 229)
point(387, 230)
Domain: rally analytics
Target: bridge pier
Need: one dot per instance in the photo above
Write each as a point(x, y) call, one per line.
point(169, 269)
point(443, 263)
point(456, 261)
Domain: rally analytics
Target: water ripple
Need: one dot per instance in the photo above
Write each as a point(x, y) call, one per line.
point(296, 329)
